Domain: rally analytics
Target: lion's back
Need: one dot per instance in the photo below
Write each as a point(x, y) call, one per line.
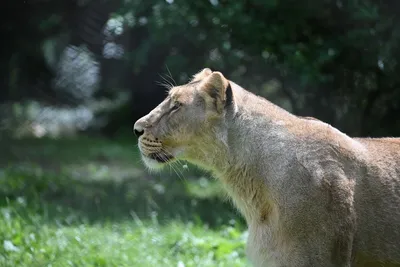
point(374, 163)
point(382, 146)
point(377, 198)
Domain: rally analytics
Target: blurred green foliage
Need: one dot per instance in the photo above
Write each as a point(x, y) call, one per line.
point(335, 60)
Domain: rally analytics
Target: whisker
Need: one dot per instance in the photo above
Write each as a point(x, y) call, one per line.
point(177, 167)
point(169, 80)
point(166, 81)
point(178, 173)
point(165, 85)
point(170, 169)
point(172, 164)
point(140, 159)
point(173, 167)
point(170, 75)
point(184, 165)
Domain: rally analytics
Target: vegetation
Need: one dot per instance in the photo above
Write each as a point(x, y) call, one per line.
point(335, 60)
point(102, 209)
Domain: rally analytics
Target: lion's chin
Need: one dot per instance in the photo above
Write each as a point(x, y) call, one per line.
point(156, 161)
point(152, 164)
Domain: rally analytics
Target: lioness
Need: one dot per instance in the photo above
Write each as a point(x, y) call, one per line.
point(311, 195)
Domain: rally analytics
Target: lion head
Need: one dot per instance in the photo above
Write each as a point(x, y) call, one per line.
point(184, 122)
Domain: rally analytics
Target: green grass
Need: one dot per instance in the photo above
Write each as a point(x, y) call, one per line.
point(90, 202)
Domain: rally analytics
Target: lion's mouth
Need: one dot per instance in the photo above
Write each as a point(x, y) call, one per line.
point(161, 157)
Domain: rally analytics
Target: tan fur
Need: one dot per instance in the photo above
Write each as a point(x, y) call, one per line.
point(201, 75)
point(311, 195)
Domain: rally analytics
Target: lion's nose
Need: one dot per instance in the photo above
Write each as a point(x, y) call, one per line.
point(138, 133)
point(138, 129)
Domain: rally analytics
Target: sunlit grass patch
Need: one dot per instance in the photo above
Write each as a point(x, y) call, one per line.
point(29, 239)
point(91, 203)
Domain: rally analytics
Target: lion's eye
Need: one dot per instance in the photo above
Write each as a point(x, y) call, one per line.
point(176, 105)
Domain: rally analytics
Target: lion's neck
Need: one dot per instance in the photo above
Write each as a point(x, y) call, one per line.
point(256, 147)
point(246, 153)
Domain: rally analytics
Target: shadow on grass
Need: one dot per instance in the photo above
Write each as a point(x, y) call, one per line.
point(68, 184)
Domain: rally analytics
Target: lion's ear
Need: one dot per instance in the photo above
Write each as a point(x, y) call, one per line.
point(201, 75)
point(215, 86)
